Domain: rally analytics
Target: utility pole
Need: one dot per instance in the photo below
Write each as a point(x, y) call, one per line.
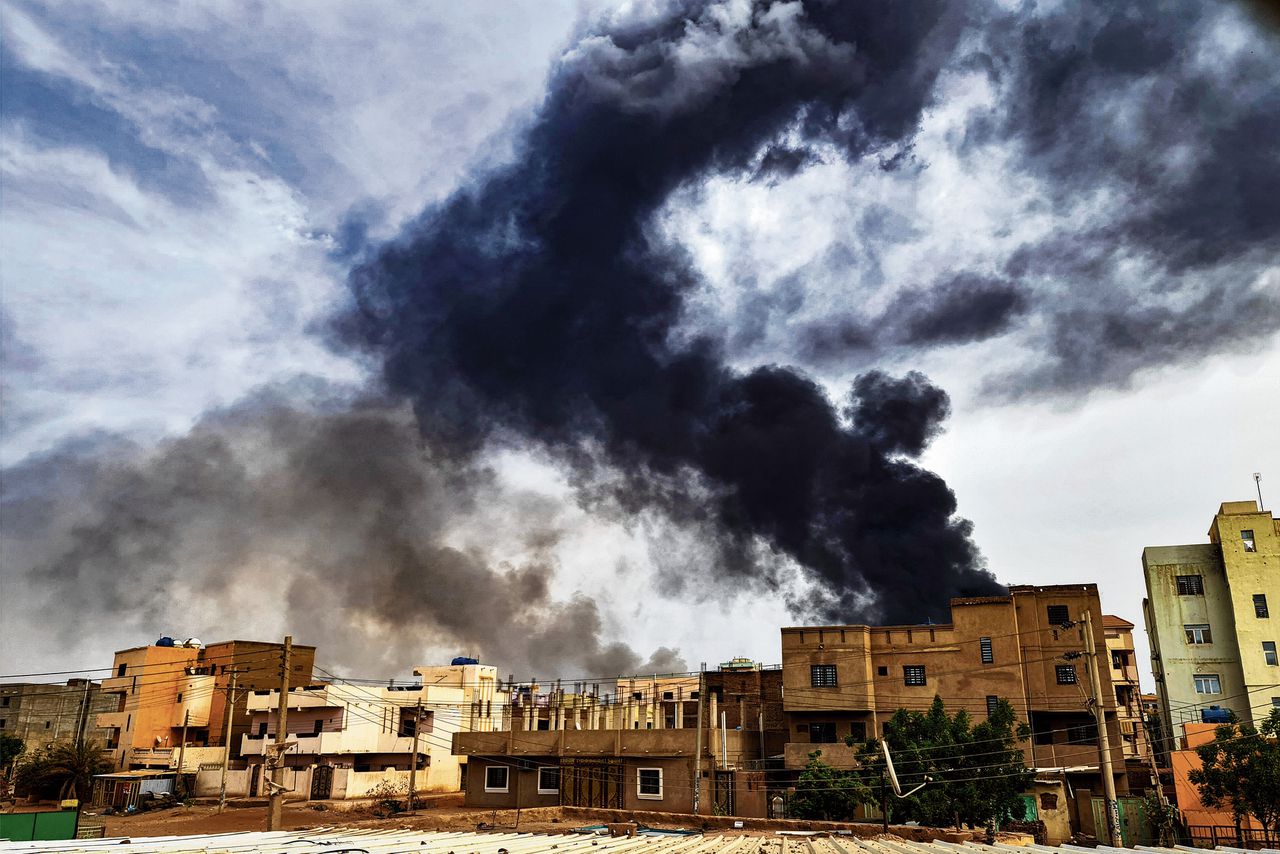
point(413, 762)
point(275, 806)
point(1104, 741)
point(182, 749)
point(697, 750)
point(82, 722)
point(884, 800)
point(226, 751)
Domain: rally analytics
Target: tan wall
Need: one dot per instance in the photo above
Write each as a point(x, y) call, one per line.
point(1026, 649)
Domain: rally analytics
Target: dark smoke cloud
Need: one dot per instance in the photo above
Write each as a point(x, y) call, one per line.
point(538, 302)
point(335, 522)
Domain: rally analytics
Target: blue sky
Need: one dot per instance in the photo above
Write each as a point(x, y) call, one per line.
point(185, 188)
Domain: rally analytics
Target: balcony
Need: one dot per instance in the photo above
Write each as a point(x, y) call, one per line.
point(334, 744)
point(113, 720)
point(741, 746)
point(305, 697)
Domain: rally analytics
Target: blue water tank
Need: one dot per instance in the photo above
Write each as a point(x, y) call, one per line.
point(1215, 715)
point(165, 641)
point(462, 659)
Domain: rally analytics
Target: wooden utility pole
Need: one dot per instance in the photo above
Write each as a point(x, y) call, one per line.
point(697, 750)
point(1104, 740)
point(413, 762)
point(226, 751)
point(275, 806)
point(182, 749)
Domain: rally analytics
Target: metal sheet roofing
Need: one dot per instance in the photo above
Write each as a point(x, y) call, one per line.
point(373, 841)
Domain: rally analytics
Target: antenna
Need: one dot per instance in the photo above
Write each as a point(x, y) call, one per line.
point(1257, 482)
point(893, 775)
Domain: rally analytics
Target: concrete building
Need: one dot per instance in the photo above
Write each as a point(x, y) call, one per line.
point(348, 738)
point(41, 715)
point(1212, 621)
point(1124, 678)
point(848, 680)
point(635, 746)
point(156, 689)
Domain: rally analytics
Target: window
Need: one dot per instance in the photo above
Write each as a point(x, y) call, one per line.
point(549, 780)
point(318, 728)
point(822, 675)
point(495, 778)
point(2, 722)
point(1059, 615)
point(882, 671)
point(993, 703)
point(1119, 660)
point(1207, 683)
point(649, 783)
point(262, 728)
point(179, 696)
point(913, 674)
point(4, 701)
point(1198, 633)
point(988, 656)
point(858, 731)
point(1269, 653)
point(1247, 538)
point(46, 724)
point(1190, 585)
point(1087, 734)
point(1275, 701)
point(1066, 674)
point(822, 733)
point(1260, 606)
point(1043, 736)
point(668, 695)
point(1048, 801)
point(120, 670)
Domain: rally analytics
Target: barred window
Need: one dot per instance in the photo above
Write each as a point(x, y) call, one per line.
point(992, 703)
point(1059, 615)
point(988, 656)
point(1190, 585)
point(1066, 674)
point(822, 675)
point(1260, 606)
point(913, 674)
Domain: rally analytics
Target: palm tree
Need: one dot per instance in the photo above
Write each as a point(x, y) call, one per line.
point(67, 768)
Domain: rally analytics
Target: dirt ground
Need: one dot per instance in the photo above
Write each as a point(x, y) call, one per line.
point(185, 821)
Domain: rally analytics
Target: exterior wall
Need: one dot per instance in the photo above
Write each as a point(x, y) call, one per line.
point(43, 714)
point(1231, 576)
point(1182, 762)
point(1026, 649)
point(363, 729)
point(1124, 677)
point(163, 686)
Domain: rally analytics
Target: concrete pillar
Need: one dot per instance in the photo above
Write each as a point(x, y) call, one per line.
point(679, 713)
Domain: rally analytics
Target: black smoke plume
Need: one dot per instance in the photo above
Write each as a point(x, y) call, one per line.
point(539, 303)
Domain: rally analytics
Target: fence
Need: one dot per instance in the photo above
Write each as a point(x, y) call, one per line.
point(39, 826)
point(1211, 836)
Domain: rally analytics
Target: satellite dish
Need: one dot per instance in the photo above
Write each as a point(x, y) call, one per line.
point(193, 643)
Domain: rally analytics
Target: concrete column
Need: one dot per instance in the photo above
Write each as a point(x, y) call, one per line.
point(679, 713)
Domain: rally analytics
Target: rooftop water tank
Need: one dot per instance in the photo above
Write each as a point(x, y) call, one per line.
point(462, 659)
point(165, 641)
point(1215, 715)
point(192, 643)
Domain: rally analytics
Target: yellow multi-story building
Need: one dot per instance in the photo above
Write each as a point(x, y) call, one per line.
point(1210, 621)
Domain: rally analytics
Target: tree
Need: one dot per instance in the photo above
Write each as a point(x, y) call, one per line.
point(976, 771)
point(64, 770)
point(1240, 771)
point(823, 793)
point(10, 749)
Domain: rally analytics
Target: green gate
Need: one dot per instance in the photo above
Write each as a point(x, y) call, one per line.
point(38, 826)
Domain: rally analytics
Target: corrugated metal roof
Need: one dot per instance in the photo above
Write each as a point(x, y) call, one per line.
point(373, 841)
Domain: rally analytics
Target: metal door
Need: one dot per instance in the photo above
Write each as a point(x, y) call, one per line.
point(321, 782)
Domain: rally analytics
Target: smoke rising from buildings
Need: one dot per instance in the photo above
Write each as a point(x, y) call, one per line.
point(330, 520)
point(546, 305)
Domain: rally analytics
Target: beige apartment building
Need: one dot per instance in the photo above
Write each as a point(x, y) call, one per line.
point(1211, 619)
point(1124, 678)
point(345, 738)
point(1025, 648)
point(159, 689)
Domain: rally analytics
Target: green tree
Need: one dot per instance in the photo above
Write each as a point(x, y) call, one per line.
point(64, 770)
point(10, 749)
point(1240, 771)
point(824, 793)
point(976, 772)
